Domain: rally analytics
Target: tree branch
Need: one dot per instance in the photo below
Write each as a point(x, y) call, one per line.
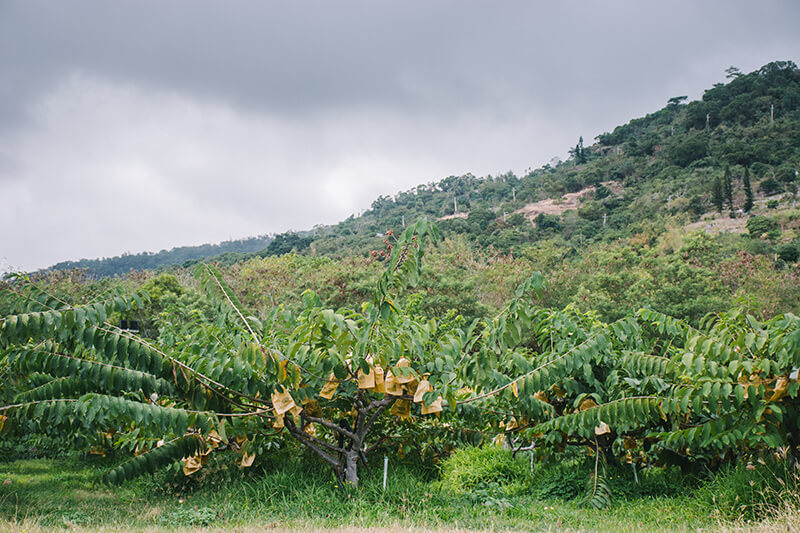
point(380, 406)
point(520, 378)
point(305, 439)
point(321, 442)
point(176, 362)
point(377, 443)
point(332, 426)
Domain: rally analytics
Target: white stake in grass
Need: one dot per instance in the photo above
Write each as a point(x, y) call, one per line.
point(385, 470)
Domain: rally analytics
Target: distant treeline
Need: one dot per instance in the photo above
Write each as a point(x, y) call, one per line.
point(122, 264)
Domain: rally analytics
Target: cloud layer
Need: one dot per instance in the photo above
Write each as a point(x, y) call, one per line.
point(164, 124)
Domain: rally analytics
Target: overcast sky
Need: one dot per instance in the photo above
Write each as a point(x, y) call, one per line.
point(169, 123)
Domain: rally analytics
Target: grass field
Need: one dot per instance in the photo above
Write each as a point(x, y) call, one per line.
point(58, 494)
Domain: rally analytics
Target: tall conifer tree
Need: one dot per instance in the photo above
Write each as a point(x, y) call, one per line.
point(748, 191)
point(717, 197)
point(728, 183)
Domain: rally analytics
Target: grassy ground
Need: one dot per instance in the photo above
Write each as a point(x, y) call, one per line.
point(56, 494)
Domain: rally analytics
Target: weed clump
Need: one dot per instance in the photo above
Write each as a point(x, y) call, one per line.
point(754, 490)
point(471, 467)
point(191, 516)
point(562, 481)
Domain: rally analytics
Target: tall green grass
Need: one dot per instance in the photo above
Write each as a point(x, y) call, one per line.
point(480, 488)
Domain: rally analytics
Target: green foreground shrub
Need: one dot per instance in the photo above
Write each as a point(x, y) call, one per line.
point(469, 467)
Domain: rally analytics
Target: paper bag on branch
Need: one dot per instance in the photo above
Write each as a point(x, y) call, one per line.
point(435, 407)
point(282, 401)
point(401, 409)
point(423, 387)
point(329, 389)
point(392, 386)
point(379, 380)
point(366, 381)
point(404, 363)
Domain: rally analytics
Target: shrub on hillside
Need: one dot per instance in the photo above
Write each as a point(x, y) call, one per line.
point(789, 252)
point(769, 186)
point(763, 227)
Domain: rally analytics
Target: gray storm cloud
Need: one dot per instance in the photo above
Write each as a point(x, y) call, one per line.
point(157, 124)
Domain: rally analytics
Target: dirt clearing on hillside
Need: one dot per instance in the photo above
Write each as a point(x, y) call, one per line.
point(554, 206)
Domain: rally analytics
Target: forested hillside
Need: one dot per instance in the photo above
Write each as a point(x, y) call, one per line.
point(655, 169)
point(643, 180)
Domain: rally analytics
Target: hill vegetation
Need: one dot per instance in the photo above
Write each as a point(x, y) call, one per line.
point(640, 176)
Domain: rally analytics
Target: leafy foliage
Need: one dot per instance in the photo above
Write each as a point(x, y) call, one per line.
point(313, 374)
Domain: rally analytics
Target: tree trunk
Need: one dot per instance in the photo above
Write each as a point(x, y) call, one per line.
point(351, 468)
point(345, 455)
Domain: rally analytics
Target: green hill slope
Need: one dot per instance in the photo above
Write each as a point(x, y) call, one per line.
point(660, 165)
point(653, 172)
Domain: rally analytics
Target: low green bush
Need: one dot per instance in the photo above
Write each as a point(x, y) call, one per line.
point(789, 252)
point(189, 516)
point(650, 482)
point(472, 467)
point(564, 480)
point(34, 446)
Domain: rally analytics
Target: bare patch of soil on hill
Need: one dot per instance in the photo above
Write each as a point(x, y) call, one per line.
point(571, 200)
point(457, 215)
point(719, 224)
point(554, 206)
point(714, 222)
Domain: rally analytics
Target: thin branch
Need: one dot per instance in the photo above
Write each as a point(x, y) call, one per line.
point(596, 465)
point(175, 361)
point(622, 400)
point(381, 407)
point(320, 441)
point(260, 413)
point(499, 389)
point(267, 351)
point(33, 284)
point(227, 297)
point(332, 426)
point(93, 362)
point(185, 368)
point(23, 404)
point(233, 402)
point(247, 324)
point(43, 385)
point(377, 443)
point(304, 439)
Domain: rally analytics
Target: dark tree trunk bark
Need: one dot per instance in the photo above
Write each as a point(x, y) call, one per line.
point(351, 468)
